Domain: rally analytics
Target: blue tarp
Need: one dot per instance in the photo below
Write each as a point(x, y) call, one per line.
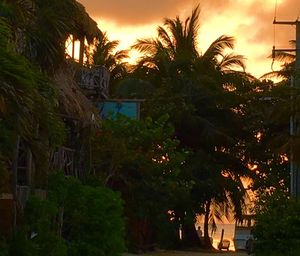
point(110, 109)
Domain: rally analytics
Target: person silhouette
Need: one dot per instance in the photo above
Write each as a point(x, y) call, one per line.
point(199, 231)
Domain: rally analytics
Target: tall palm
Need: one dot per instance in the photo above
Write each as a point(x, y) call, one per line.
point(202, 107)
point(177, 43)
point(177, 39)
point(172, 58)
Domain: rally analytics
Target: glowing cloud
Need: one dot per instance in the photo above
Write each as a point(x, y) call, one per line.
point(249, 21)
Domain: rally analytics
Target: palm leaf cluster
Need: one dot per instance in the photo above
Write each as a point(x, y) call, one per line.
point(106, 54)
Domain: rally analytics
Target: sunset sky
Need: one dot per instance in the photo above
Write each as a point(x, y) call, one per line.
point(249, 21)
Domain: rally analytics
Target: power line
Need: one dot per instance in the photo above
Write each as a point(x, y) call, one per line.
point(275, 10)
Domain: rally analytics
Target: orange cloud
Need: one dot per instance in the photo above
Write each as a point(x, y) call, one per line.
point(249, 21)
point(133, 12)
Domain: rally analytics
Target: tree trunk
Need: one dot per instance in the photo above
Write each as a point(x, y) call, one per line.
point(140, 234)
point(14, 178)
point(190, 236)
point(207, 242)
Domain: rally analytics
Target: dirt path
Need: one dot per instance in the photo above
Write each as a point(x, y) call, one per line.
point(188, 253)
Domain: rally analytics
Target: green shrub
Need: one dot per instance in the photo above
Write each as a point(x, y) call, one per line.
point(92, 217)
point(278, 227)
point(95, 223)
point(74, 220)
point(38, 237)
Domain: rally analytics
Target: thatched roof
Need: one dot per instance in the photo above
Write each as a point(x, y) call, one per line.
point(73, 103)
point(86, 25)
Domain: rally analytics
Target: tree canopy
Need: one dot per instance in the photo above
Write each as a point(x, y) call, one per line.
point(206, 127)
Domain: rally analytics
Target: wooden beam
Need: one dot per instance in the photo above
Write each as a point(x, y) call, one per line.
point(286, 22)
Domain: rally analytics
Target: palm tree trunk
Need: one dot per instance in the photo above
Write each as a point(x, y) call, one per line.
point(207, 242)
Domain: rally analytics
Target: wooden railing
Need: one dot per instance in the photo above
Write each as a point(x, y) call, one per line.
point(95, 81)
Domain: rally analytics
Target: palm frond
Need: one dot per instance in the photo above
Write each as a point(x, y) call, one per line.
point(121, 55)
point(176, 30)
point(275, 74)
point(218, 46)
point(146, 61)
point(240, 76)
point(145, 46)
point(165, 38)
point(193, 26)
point(284, 57)
point(231, 60)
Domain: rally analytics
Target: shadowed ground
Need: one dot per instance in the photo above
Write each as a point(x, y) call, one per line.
point(189, 253)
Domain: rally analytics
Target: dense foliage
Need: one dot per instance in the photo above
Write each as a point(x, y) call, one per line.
point(141, 160)
point(278, 226)
point(75, 219)
point(27, 104)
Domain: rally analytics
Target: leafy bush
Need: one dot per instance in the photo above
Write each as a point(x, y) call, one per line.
point(45, 243)
point(95, 222)
point(75, 219)
point(3, 248)
point(278, 226)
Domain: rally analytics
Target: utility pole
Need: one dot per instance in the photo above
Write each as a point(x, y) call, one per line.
point(294, 120)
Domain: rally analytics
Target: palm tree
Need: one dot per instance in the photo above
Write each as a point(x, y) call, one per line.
point(106, 55)
point(192, 87)
point(175, 48)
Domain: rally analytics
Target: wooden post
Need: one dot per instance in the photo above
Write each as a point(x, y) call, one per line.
point(222, 236)
point(73, 47)
point(14, 178)
point(29, 167)
point(81, 51)
point(220, 246)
